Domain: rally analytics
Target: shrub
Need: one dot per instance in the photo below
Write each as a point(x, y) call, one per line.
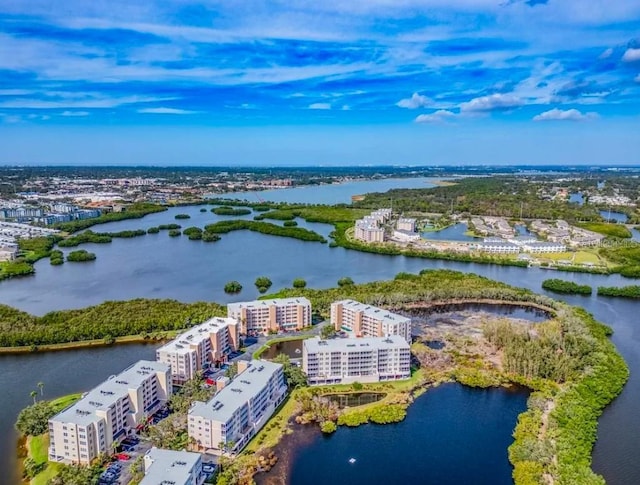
point(569, 287)
point(183, 216)
point(263, 284)
point(233, 287)
point(80, 256)
point(174, 232)
point(299, 283)
point(328, 427)
point(346, 281)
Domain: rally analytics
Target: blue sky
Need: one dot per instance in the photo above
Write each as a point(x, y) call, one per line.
point(311, 82)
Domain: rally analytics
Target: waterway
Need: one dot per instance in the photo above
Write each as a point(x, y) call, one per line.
point(157, 266)
point(620, 217)
point(331, 193)
point(451, 233)
point(451, 435)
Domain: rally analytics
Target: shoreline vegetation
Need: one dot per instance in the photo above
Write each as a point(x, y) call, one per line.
point(567, 287)
point(568, 361)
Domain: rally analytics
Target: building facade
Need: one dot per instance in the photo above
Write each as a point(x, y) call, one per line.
point(235, 414)
point(344, 361)
point(263, 316)
point(368, 232)
point(406, 224)
point(208, 343)
point(109, 413)
point(163, 467)
point(360, 320)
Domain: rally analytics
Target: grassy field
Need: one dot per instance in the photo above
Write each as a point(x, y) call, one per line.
point(62, 402)
point(37, 447)
point(615, 230)
point(578, 257)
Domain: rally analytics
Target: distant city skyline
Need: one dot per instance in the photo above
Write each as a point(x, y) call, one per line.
point(364, 82)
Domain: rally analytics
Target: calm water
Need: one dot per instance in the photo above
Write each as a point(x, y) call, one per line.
point(451, 233)
point(331, 194)
point(452, 435)
point(614, 216)
point(158, 266)
point(62, 373)
point(291, 348)
point(577, 198)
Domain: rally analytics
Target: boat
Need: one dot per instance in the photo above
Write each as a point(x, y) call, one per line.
point(352, 460)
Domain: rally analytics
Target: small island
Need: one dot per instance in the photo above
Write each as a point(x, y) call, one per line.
point(80, 256)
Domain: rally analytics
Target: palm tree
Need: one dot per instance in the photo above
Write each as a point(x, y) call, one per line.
point(41, 387)
point(34, 394)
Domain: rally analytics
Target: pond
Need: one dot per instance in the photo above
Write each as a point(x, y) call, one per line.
point(291, 348)
point(614, 216)
point(352, 399)
point(452, 435)
point(451, 233)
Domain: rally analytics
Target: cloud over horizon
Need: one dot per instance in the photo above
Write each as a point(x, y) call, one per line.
point(573, 114)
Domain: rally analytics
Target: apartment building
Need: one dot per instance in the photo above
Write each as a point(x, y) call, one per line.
point(164, 467)
point(361, 320)
point(344, 361)
point(262, 316)
point(406, 224)
point(208, 343)
point(108, 413)
point(235, 414)
point(368, 231)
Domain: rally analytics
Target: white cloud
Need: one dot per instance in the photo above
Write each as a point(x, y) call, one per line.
point(166, 111)
point(492, 102)
point(631, 55)
point(320, 106)
point(606, 54)
point(556, 114)
point(74, 113)
point(415, 101)
point(439, 116)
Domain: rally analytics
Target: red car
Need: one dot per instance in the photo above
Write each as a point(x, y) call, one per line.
point(123, 456)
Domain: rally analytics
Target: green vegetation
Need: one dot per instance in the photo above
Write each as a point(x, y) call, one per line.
point(174, 232)
point(10, 269)
point(328, 427)
point(182, 216)
point(33, 420)
point(36, 248)
point(295, 376)
point(345, 281)
point(153, 230)
point(98, 237)
point(225, 210)
point(134, 211)
point(379, 414)
point(169, 227)
point(80, 256)
point(327, 331)
point(203, 210)
point(115, 319)
point(264, 228)
point(233, 287)
point(263, 284)
point(194, 233)
point(56, 257)
point(279, 215)
point(627, 258)
point(210, 237)
point(569, 287)
point(299, 283)
point(289, 223)
point(608, 229)
point(632, 291)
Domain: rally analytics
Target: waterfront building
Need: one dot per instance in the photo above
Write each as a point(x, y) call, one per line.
point(499, 247)
point(361, 320)
point(109, 413)
point(344, 360)
point(406, 224)
point(263, 316)
point(8, 252)
point(164, 467)
point(543, 247)
point(368, 231)
point(234, 415)
point(405, 236)
point(208, 343)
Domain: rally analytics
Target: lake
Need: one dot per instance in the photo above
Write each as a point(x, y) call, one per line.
point(614, 216)
point(451, 233)
point(157, 266)
point(331, 193)
point(451, 435)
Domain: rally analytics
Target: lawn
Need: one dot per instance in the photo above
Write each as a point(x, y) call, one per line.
point(38, 451)
point(63, 401)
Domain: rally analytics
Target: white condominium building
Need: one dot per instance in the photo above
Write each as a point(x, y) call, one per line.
point(164, 467)
point(406, 224)
point(362, 320)
point(207, 343)
point(262, 316)
point(108, 412)
point(235, 414)
point(344, 360)
point(368, 231)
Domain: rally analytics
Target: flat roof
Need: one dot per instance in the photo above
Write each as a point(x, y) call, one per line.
point(168, 466)
point(244, 387)
point(108, 392)
point(182, 343)
point(298, 300)
point(374, 312)
point(354, 344)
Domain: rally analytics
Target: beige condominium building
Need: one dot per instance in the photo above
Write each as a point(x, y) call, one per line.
point(360, 320)
point(168, 467)
point(345, 360)
point(235, 414)
point(263, 316)
point(108, 413)
point(208, 343)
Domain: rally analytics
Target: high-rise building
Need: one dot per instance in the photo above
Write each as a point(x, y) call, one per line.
point(360, 320)
point(263, 316)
